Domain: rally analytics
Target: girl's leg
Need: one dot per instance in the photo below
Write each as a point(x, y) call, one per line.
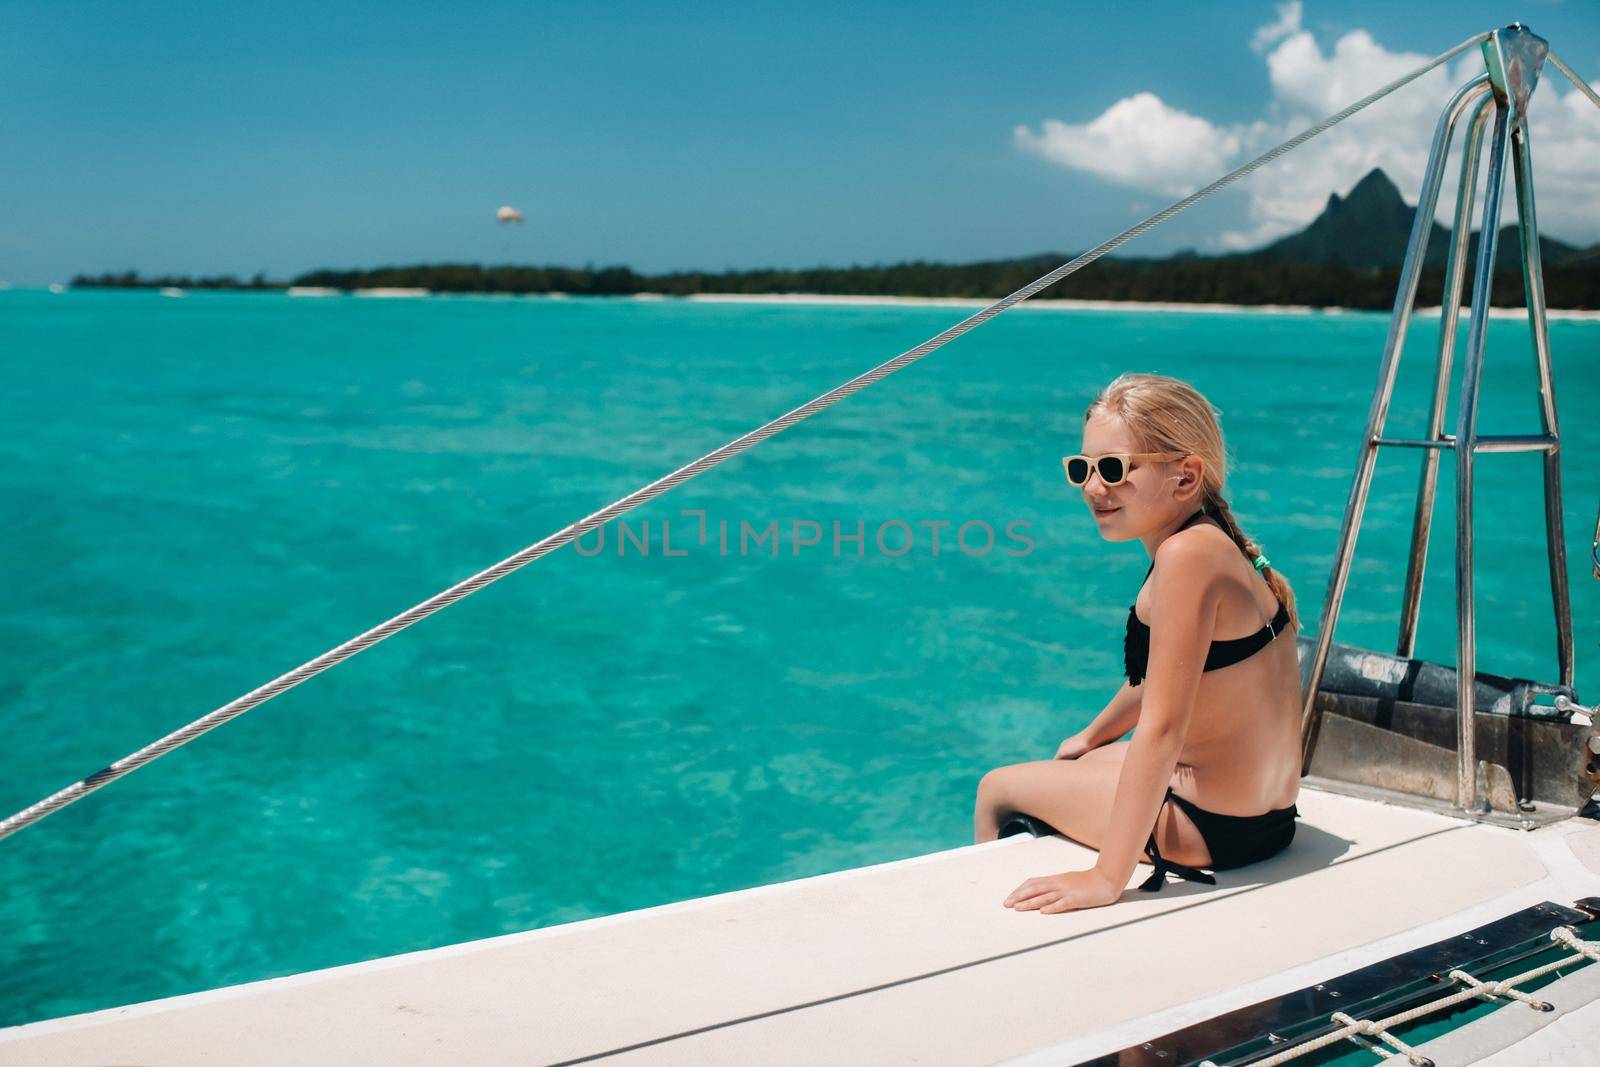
point(1076, 796)
point(994, 790)
point(1114, 752)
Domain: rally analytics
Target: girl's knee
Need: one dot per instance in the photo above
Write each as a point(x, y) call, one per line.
point(991, 785)
point(991, 804)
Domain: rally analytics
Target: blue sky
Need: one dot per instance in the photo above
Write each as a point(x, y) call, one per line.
point(223, 137)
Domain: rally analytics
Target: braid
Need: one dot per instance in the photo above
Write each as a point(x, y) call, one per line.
point(1218, 508)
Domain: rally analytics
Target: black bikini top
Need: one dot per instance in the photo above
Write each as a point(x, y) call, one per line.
point(1136, 645)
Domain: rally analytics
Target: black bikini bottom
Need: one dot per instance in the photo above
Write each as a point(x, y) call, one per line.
point(1232, 840)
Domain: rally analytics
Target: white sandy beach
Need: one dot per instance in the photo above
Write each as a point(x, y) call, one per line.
point(1093, 305)
point(848, 300)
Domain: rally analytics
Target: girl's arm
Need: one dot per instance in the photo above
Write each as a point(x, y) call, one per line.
point(1183, 619)
point(1118, 717)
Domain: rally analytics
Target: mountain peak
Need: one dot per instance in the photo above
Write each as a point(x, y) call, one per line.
point(1371, 227)
point(1368, 227)
point(1377, 189)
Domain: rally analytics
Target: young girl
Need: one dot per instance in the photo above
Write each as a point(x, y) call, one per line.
point(1213, 675)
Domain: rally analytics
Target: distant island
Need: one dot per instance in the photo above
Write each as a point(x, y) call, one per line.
point(1349, 256)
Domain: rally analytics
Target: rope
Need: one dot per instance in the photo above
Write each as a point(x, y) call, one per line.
point(1594, 553)
point(1367, 1028)
point(1350, 1027)
point(1583, 86)
point(456, 592)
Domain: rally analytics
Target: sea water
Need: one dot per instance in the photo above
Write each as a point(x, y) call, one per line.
point(201, 494)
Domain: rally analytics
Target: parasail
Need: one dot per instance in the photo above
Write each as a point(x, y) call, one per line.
point(508, 215)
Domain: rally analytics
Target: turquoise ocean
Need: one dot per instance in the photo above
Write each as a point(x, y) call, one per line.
point(202, 493)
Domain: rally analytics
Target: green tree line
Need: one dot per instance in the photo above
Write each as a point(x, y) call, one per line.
point(133, 280)
point(1236, 279)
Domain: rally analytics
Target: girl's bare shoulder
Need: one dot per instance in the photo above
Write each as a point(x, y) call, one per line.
point(1202, 550)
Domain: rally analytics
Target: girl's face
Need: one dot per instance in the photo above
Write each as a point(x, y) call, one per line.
point(1143, 502)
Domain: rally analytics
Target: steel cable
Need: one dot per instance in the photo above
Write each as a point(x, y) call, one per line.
point(465, 588)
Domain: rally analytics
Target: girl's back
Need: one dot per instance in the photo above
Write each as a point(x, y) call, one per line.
point(1244, 730)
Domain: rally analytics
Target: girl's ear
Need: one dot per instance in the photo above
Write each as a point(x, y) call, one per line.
point(1190, 479)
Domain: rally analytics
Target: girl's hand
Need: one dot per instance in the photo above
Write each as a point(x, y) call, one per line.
point(1073, 747)
point(1064, 892)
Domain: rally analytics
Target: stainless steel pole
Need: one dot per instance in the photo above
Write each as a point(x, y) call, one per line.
point(1467, 97)
point(1533, 285)
point(1466, 453)
point(1454, 273)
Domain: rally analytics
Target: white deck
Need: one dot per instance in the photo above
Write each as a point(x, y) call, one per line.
point(909, 962)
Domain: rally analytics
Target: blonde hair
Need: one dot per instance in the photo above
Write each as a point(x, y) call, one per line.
point(1168, 415)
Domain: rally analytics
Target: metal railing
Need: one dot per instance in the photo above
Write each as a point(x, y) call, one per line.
point(1513, 57)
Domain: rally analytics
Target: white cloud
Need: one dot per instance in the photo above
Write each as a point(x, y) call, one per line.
point(1142, 142)
point(1564, 139)
point(1270, 34)
point(1139, 141)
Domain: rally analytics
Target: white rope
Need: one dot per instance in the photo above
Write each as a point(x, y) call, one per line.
point(466, 588)
point(1379, 1028)
point(1368, 1028)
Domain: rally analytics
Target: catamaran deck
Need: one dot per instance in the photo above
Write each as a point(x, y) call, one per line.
point(907, 962)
